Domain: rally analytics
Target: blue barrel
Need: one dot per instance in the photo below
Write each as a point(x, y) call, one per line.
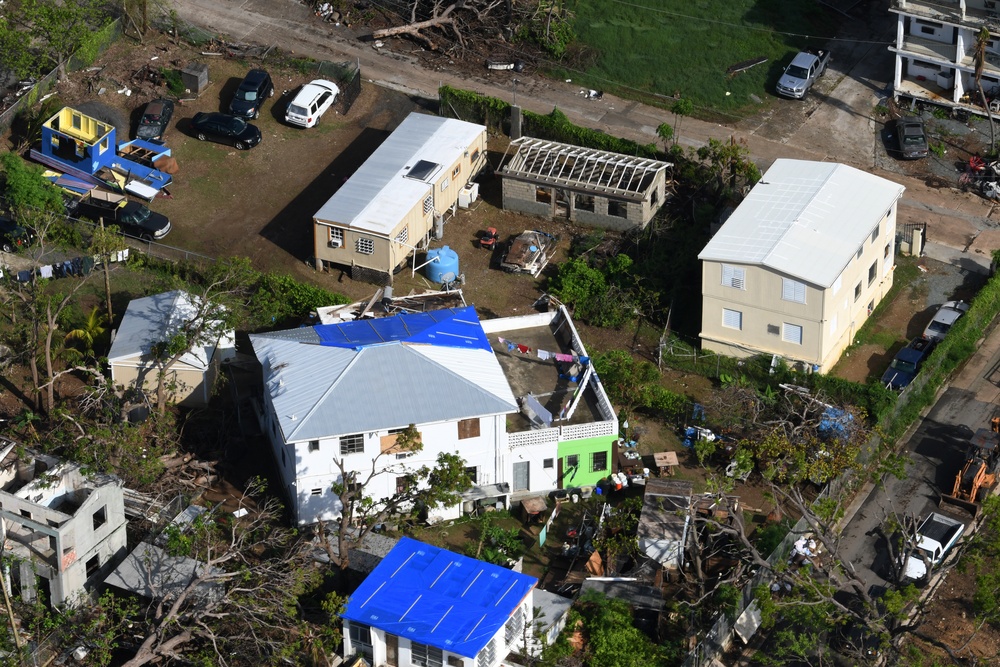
point(446, 264)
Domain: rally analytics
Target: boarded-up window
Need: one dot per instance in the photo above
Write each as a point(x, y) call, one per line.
point(468, 428)
point(388, 442)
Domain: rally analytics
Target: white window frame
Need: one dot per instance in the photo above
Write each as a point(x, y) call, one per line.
point(878, 226)
point(364, 246)
point(734, 276)
point(336, 234)
point(732, 319)
point(791, 333)
point(352, 444)
point(488, 655)
point(793, 290)
point(403, 236)
point(426, 655)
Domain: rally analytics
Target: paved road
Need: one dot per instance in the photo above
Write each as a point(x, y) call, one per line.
point(936, 452)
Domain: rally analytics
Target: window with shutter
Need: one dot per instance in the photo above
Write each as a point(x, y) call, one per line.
point(733, 276)
point(793, 290)
point(791, 333)
point(732, 319)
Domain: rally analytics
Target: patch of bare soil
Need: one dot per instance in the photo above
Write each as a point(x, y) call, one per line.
point(904, 319)
point(949, 620)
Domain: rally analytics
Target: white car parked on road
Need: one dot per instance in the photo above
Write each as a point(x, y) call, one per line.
point(311, 103)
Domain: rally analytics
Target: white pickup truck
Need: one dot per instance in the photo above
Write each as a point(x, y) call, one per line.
point(801, 74)
point(935, 538)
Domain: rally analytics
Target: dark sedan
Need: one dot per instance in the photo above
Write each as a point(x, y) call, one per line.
point(249, 98)
point(911, 139)
point(155, 118)
point(225, 129)
point(13, 236)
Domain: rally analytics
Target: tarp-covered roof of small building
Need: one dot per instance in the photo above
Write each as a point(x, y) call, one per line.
point(437, 597)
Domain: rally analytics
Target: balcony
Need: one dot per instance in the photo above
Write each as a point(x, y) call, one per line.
point(927, 49)
point(972, 13)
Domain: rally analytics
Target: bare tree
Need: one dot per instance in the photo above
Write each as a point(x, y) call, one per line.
point(240, 604)
point(42, 305)
point(417, 489)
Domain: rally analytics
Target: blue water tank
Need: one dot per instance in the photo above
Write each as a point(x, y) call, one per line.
point(447, 264)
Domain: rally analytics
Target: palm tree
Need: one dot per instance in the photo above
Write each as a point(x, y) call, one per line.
point(89, 331)
point(979, 55)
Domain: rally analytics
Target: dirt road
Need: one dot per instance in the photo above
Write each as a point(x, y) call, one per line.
point(834, 125)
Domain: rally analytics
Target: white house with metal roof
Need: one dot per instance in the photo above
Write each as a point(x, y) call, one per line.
point(344, 391)
point(155, 319)
point(588, 186)
point(390, 206)
point(800, 264)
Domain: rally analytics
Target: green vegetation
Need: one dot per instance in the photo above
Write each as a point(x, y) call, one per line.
point(666, 48)
point(612, 638)
point(26, 188)
point(175, 84)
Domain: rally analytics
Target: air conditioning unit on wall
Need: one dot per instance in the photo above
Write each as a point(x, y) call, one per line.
point(336, 243)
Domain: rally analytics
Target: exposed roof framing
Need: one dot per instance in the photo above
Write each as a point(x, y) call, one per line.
point(586, 169)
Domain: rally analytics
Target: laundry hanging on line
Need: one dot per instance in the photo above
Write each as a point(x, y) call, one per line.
point(544, 355)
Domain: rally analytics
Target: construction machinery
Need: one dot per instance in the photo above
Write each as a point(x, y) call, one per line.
point(980, 471)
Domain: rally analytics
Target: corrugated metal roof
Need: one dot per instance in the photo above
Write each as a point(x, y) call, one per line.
point(804, 219)
point(321, 391)
point(379, 194)
point(438, 597)
point(154, 319)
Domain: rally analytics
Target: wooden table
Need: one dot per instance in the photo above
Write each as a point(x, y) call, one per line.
point(665, 462)
point(533, 507)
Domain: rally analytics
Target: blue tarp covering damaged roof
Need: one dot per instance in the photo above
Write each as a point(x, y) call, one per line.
point(449, 327)
point(437, 597)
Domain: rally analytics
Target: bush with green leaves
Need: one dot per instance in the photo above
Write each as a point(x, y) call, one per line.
point(26, 189)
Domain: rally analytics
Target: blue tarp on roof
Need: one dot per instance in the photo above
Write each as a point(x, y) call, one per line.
point(437, 597)
point(448, 327)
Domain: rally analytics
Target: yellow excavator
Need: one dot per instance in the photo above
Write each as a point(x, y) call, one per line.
point(980, 472)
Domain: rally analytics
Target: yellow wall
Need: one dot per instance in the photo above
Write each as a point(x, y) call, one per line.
point(74, 124)
point(829, 317)
point(190, 387)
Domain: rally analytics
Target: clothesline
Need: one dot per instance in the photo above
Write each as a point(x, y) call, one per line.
point(544, 355)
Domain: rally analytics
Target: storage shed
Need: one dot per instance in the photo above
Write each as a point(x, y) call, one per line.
point(389, 207)
point(590, 187)
point(155, 319)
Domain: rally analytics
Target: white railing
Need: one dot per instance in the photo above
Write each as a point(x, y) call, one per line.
point(529, 438)
point(590, 430)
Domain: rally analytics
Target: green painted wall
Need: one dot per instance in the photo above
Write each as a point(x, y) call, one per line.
point(584, 474)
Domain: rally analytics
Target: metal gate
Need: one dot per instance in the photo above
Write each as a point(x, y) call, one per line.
point(521, 476)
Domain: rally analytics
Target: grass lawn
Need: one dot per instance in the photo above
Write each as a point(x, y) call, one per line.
point(666, 47)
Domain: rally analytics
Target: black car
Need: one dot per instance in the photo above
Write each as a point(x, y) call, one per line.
point(225, 129)
point(255, 88)
point(132, 218)
point(155, 118)
point(911, 140)
point(13, 236)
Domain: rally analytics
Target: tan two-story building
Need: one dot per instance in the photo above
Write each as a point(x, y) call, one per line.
point(390, 206)
point(800, 264)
